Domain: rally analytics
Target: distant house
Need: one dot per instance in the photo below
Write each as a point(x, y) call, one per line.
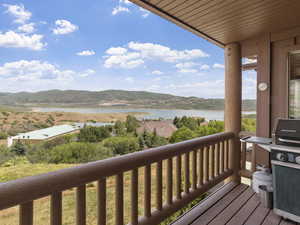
point(43, 134)
point(164, 128)
point(97, 124)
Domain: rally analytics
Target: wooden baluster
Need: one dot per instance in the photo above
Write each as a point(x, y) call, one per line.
point(194, 170)
point(187, 172)
point(243, 155)
point(206, 165)
point(225, 155)
point(228, 153)
point(159, 185)
point(26, 214)
point(217, 159)
point(147, 191)
point(134, 197)
point(119, 201)
point(222, 155)
point(101, 195)
point(56, 209)
point(178, 177)
point(169, 181)
point(200, 167)
point(212, 162)
point(81, 205)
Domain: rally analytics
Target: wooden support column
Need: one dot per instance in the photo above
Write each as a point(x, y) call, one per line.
point(233, 103)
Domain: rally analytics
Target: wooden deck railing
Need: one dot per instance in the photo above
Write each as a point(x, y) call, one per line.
point(247, 156)
point(206, 162)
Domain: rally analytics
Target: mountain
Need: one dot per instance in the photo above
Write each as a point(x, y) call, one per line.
point(113, 98)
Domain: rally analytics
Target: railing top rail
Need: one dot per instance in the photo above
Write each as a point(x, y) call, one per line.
point(30, 188)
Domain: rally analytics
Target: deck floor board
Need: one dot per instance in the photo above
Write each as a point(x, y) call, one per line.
point(239, 206)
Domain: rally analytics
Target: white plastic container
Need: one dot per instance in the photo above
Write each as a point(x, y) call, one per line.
point(262, 177)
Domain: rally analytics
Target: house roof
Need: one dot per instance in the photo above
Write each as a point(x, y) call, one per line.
point(164, 128)
point(226, 21)
point(47, 132)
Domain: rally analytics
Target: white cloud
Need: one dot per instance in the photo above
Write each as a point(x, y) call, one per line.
point(136, 54)
point(19, 12)
point(145, 13)
point(126, 2)
point(188, 71)
point(218, 66)
point(150, 50)
point(64, 27)
point(34, 70)
point(204, 67)
point(27, 28)
point(127, 61)
point(119, 9)
point(116, 51)
point(11, 39)
point(157, 72)
point(186, 65)
point(87, 73)
point(86, 53)
point(129, 79)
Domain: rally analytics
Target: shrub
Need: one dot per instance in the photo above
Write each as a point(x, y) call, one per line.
point(122, 145)
point(5, 154)
point(3, 135)
point(94, 134)
point(182, 134)
point(19, 148)
point(78, 153)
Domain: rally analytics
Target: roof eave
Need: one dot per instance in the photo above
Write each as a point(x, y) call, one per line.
point(158, 11)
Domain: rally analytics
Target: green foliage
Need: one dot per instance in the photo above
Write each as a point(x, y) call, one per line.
point(120, 128)
point(3, 135)
point(74, 152)
point(151, 140)
point(5, 154)
point(189, 122)
point(182, 134)
point(122, 145)
point(19, 148)
point(94, 134)
point(131, 123)
point(249, 124)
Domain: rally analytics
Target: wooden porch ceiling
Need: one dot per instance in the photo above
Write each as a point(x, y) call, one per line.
point(226, 21)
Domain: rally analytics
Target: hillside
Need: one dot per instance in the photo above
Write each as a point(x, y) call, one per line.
point(113, 98)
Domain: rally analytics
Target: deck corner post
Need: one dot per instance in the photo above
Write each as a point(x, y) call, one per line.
point(233, 104)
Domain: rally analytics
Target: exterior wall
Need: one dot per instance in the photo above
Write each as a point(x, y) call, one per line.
point(272, 49)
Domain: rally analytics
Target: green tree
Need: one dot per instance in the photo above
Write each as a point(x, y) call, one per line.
point(122, 145)
point(120, 128)
point(131, 123)
point(94, 134)
point(19, 148)
point(182, 134)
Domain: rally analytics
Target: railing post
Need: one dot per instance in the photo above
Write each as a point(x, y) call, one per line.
point(233, 104)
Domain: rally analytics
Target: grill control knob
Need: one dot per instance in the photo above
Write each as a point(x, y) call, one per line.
point(281, 157)
point(297, 160)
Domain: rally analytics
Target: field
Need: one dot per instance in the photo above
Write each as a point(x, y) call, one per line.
point(13, 122)
point(42, 206)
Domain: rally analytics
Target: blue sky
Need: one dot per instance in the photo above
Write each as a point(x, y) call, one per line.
point(107, 44)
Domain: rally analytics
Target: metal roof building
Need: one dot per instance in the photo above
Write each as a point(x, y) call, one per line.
point(47, 132)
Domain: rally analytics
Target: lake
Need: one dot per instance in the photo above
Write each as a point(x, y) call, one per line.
point(150, 113)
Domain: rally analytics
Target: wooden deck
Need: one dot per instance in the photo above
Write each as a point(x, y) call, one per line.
point(231, 205)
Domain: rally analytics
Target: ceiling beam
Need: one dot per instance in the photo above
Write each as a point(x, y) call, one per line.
point(158, 11)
